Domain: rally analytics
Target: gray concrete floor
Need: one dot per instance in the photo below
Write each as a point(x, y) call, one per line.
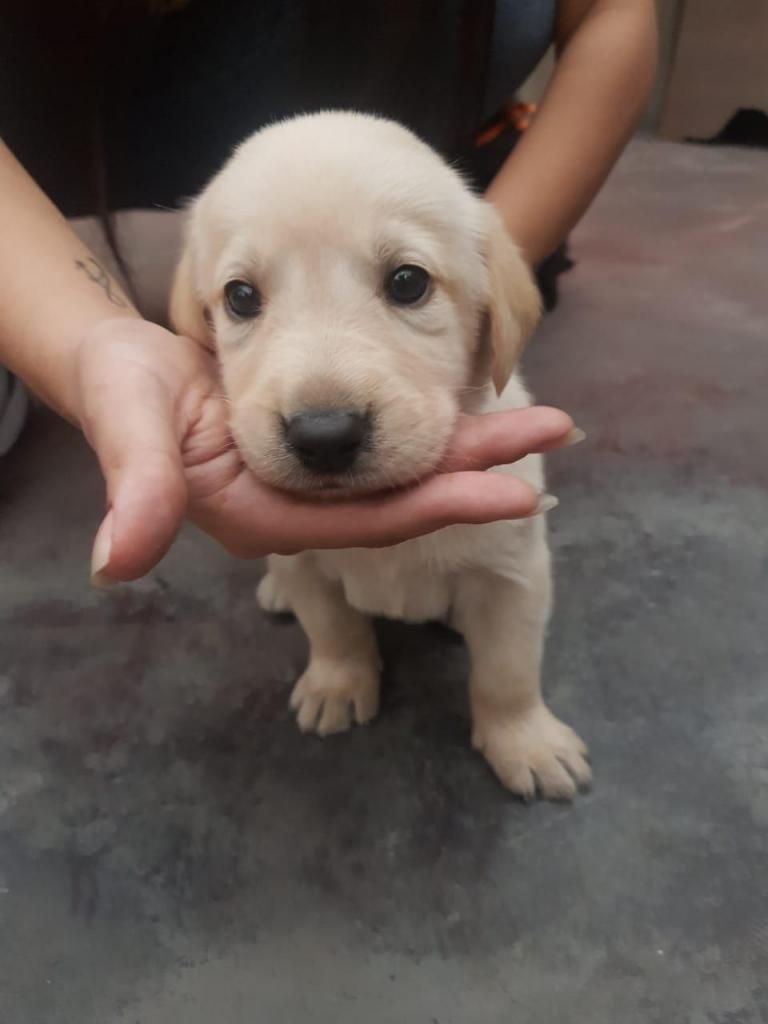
point(172, 850)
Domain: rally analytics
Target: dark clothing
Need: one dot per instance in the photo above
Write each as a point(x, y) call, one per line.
point(142, 111)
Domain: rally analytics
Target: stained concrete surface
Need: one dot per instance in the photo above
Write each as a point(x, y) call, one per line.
point(171, 849)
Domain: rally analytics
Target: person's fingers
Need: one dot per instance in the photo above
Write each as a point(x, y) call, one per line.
point(131, 425)
point(251, 520)
point(443, 500)
point(500, 438)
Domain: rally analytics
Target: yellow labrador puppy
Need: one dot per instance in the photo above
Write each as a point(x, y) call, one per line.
point(360, 297)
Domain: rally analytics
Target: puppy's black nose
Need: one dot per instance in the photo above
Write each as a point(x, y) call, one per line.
point(327, 440)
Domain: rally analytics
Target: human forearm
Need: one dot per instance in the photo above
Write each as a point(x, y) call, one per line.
point(607, 59)
point(52, 290)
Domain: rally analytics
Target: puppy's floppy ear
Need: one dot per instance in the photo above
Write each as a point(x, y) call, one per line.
point(186, 309)
point(514, 302)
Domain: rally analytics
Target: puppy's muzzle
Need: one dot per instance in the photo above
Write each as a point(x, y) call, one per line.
point(328, 440)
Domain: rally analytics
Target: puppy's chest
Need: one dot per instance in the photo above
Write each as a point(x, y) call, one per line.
point(417, 581)
point(385, 583)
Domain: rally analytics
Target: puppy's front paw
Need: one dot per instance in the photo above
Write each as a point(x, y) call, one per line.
point(533, 753)
point(331, 695)
point(271, 596)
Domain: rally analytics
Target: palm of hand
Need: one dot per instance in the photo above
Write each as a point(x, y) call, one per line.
point(152, 408)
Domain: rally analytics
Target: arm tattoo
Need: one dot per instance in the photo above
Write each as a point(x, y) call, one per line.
point(94, 270)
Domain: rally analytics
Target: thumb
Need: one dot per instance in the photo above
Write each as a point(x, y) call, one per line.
point(136, 441)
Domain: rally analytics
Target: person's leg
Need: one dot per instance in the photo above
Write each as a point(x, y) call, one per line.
point(149, 242)
point(13, 410)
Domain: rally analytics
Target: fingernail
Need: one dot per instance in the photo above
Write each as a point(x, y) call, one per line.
point(546, 503)
point(102, 549)
point(574, 436)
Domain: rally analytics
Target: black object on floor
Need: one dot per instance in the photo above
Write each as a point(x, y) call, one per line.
point(747, 127)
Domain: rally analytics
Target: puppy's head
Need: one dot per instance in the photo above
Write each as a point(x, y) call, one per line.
point(355, 292)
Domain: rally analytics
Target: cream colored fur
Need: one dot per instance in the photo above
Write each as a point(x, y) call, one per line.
point(312, 211)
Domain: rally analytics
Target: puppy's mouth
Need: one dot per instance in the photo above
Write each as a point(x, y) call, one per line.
point(350, 486)
point(335, 489)
point(314, 486)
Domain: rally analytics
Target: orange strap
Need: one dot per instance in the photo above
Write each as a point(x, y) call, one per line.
point(515, 115)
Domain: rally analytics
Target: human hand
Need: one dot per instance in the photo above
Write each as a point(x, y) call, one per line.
point(151, 406)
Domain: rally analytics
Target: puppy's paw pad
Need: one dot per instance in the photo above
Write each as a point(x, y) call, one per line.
point(534, 753)
point(330, 696)
point(271, 596)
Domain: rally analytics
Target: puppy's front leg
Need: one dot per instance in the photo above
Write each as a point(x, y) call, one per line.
point(341, 682)
point(503, 623)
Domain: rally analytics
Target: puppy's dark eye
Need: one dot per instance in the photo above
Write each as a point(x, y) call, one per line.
point(242, 300)
point(407, 284)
